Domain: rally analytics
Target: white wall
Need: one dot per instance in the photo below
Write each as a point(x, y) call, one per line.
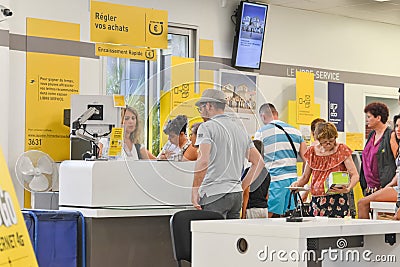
point(327, 41)
point(303, 38)
point(293, 37)
point(4, 85)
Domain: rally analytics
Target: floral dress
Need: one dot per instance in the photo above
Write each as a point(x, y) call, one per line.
point(336, 205)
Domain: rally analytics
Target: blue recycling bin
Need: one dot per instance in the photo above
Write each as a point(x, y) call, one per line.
point(58, 237)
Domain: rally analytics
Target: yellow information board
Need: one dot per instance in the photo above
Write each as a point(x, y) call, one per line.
point(50, 80)
point(128, 25)
point(115, 146)
point(292, 113)
point(304, 97)
point(123, 51)
point(15, 245)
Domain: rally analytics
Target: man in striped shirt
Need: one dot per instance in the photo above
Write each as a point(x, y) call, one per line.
point(279, 157)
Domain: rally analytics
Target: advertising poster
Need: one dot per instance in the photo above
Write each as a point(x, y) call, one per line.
point(336, 105)
point(50, 80)
point(241, 94)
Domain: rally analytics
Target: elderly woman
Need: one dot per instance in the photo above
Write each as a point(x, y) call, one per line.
point(178, 144)
point(322, 159)
point(378, 157)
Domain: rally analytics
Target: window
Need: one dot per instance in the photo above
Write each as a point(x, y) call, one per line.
point(141, 82)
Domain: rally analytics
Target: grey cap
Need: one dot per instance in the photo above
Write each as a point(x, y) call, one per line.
point(212, 95)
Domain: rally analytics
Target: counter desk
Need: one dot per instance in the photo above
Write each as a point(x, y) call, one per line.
point(127, 206)
point(313, 242)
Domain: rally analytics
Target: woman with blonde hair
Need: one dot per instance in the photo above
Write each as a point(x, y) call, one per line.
point(321, 160)
point(132, 148)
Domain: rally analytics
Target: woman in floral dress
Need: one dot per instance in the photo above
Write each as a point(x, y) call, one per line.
point(322, 159)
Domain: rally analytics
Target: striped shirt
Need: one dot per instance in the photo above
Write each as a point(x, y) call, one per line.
point(279, 157)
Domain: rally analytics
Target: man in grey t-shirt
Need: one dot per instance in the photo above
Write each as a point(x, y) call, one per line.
point(223, 148)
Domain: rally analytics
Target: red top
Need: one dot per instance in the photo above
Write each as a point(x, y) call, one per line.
point(322, 166)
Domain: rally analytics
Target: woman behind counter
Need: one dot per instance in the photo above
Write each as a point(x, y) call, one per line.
point(322, 159)
point(132, 148)
point(178, 143)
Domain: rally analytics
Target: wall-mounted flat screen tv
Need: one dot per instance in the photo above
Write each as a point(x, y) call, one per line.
point(250, 27)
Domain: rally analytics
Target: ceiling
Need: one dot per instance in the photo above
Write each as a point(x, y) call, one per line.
point(386, 12)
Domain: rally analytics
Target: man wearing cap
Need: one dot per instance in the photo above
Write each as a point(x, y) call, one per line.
point(223, 148)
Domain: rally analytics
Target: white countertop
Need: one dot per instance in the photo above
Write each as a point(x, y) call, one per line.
point(127, 184)
point(125, 212)
point(309, 228)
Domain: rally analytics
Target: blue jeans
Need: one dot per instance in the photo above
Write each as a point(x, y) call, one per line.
point(229, 205)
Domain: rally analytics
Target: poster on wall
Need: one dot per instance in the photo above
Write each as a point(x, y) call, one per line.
point(336, 105)
point(240, 90)
point(50, 80)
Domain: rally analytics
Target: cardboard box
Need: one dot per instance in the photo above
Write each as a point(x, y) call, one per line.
point(336, 179)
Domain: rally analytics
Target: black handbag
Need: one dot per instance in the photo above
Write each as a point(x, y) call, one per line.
point(301, 209)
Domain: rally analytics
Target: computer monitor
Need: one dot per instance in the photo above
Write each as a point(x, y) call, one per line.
point(92, 117)
point(99, 123)
point(249, 39)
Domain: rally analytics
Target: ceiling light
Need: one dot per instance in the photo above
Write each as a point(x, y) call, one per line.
point(382, 0)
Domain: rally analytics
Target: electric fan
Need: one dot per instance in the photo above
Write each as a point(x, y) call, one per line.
point(36, 171)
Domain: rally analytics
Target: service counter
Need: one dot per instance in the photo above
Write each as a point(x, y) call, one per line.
point(275, 242)
point(127, 206)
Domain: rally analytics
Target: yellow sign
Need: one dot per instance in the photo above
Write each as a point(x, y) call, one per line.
point(15, 245)
point(304, 97)
point(292, 113)
point(129, 25)
point(115, 146)
point(206, 48)
point(119, 101)
point(50, 80)
point(182, 81)
point(108, 50)
point(156, 28)
point(355, 141)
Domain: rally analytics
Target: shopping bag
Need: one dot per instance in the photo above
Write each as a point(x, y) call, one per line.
point(301, 209)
